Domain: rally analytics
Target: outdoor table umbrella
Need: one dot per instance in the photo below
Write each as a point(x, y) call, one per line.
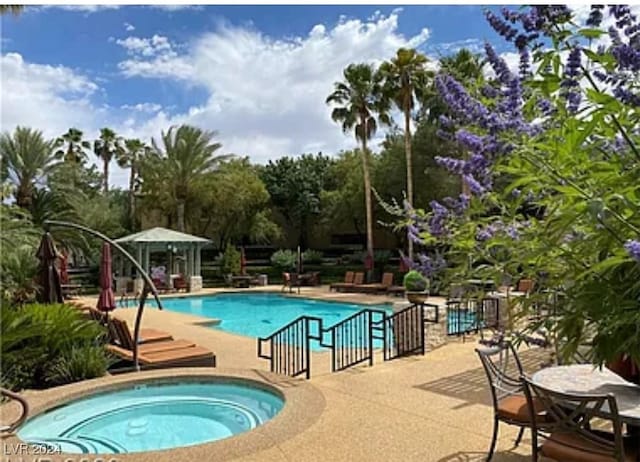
point(106, 300)
point(64, 265)
point(49, 289)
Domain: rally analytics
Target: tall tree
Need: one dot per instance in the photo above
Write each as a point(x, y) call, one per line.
point(186, 154)
point(27, 158)
point(73, 147)
point(356, 102)
point(130, 157)
point(406, 79)
point(295, 186)
point(106, 147)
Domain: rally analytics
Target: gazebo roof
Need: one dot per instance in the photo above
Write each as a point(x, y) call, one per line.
point(162, 235)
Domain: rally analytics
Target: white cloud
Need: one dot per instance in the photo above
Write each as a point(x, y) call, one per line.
point(129, 27)
point(142, 107)
point(266, 96)
point(52, 98)
point(77, 8)
point(171, 8)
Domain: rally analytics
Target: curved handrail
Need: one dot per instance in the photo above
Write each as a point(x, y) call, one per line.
point(25, 410)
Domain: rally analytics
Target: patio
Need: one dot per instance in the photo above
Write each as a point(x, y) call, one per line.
point(429, 408)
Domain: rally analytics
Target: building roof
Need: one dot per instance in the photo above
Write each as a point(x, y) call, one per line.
point(162, 235)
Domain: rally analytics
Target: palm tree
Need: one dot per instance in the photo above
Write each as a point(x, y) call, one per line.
point(357, 99)
point(129, 157)
point(27, 158)
point(106, 147)
point(406, 79)
point(186, 155)
point(75, 147)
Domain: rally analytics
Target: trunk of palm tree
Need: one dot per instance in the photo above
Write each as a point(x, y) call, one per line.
point(367, 199)
point(24, 195)
point(180, 217)
point(105, 172)
point(132, 198)
point(408, 153)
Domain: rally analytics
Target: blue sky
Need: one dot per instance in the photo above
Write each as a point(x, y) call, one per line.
point(257, 74)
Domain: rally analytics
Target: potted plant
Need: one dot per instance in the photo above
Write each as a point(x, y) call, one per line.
point(416, 287)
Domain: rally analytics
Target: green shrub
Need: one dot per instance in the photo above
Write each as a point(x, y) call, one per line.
point(34, 338)
point(78, 363)
point(312, 256)
point(230, 261)
point(415, 282)
point(284, 260)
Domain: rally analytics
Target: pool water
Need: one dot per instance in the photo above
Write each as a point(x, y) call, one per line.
point(261, 314)
point(152, 417)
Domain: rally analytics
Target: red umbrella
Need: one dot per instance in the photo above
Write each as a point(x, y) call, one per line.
point(243, 261)
point(106, 300)
point(64, 263)
point(49, 290)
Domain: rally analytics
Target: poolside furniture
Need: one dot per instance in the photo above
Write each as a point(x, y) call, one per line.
point(348, 282)
point(120, 332)
point(504, 370)
point(563, 422)
point(525, 285)
point(161, 285)
point(358, 280)
point(241, 281)
point(309, 279)
point(290, 280)
point(387, 281)
point(195, 356)
point(396, 291)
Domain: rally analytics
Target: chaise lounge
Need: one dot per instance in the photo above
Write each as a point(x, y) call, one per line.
point(348, 282)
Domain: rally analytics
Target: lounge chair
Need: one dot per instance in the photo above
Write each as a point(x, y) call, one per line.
point(358, 280)
point(161, 285)
point(396, 291)
point(387, 281)
point(525, 285)
point(120, 332)
point(195, 356)
point(348, 282)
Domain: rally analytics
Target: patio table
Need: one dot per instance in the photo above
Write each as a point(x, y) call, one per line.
point(589, 379)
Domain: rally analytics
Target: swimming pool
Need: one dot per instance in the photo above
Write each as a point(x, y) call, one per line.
point(261, 314)
point(154, 416)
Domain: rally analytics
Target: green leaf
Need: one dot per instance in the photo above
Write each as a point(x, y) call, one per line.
point(591, 33)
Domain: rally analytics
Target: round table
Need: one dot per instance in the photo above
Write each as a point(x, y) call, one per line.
point(589, 379)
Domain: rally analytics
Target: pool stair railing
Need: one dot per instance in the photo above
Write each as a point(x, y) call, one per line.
point(467, 316)
point(352, 340)
point(9, 429)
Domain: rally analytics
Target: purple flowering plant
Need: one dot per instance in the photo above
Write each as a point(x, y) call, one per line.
point(552, 149)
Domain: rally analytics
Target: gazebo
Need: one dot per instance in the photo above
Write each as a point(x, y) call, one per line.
point(175, 244)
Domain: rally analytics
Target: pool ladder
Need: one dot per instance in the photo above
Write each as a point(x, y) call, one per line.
point(6, 429)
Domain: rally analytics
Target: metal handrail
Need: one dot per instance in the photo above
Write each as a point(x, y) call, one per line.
point(25, 411)
point(295, 358)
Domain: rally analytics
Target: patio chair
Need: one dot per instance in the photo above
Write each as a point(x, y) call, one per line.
point(348, 281)
point(504, 369)
point(161, 285)
point(358, 280)
point(525, 285)
point(290, 280)
point(195, 356)
point(121, 334)
point(387, 281)
point(563, 422)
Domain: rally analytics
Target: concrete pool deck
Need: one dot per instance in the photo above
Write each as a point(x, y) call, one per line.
point(434, 407)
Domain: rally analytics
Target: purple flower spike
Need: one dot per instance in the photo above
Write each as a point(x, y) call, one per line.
point(633, 249)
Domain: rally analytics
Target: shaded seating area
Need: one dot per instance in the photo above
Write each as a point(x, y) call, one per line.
point(563, 424)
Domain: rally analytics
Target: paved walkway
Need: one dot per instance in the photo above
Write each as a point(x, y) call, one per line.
point(423, 408)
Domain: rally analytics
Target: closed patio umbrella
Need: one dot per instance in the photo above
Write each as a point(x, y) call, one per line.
point(299, 265)
point(106, 300)
point(64, 265)
point(49, 290)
